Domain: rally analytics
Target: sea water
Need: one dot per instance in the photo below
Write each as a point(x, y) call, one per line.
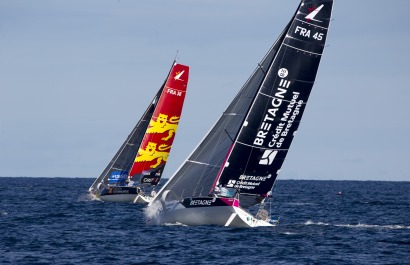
point(54, 221)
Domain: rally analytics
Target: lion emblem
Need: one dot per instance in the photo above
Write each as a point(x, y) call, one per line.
point(162, 124)
point(151, 153)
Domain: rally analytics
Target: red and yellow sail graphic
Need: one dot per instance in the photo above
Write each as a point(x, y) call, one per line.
point(156, 145)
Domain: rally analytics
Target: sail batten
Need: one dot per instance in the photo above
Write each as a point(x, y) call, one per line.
point(310, 24)
point(318, 54)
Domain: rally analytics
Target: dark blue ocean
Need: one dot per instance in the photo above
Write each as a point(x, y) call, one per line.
point(52, 221)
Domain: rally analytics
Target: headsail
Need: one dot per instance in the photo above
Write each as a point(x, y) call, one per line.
point(123, 159)
point(246, 147)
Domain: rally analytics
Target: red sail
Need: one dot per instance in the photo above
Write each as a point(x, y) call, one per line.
point(156, 145)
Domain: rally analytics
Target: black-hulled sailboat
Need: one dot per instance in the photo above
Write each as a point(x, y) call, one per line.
point(137, 167)
point(235, 166)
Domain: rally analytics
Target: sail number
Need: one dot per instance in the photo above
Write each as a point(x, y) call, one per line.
point(307, 32)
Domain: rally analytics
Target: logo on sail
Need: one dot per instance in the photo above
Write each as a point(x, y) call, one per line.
point(283, 72)
point(268, 157)
point(151, 153)
point(178, 75)
point(163, 124)
point(313, 12)
point(231, 183)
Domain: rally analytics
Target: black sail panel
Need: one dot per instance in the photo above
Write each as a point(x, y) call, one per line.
point(267, 132)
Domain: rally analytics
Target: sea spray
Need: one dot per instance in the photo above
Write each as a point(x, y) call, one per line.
point(152, 212)
point(88, 197)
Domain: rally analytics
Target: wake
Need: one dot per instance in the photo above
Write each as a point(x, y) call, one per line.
point(359, 225)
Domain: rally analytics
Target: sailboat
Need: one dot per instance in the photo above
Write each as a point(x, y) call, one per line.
point(137, 167)
point(233, 169)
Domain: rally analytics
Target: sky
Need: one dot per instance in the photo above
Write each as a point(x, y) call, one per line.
point(76, 75)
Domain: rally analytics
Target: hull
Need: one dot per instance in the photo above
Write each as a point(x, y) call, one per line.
point(119, 194)
point(207, 211)
point(118, 198)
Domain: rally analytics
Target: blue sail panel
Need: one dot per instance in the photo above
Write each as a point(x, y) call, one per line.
point(118, 177)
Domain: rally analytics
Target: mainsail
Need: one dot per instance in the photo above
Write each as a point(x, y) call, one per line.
point(247, 146)
point(153, 152)
point(123, 160)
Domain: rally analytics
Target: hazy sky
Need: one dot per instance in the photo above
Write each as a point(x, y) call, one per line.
point(76, 75)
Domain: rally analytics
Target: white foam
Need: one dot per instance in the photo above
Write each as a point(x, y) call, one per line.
point(289, 233)
point(152, 212)
point(359, 225)
point(309, 222)
point(174, 224)
point(374, 226)
point(88, 197)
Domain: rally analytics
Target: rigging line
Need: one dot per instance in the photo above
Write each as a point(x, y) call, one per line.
point(314, 53)
point(176, 57)
point(271, 201)
point(228, 135)
point(260, 67)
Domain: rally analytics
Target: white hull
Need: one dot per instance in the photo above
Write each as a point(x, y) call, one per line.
point(118, 197)
point(231, 216)
point(132, 198)
point(124, 194)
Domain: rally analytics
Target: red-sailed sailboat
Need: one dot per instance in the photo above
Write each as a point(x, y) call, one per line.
point(137, 167)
